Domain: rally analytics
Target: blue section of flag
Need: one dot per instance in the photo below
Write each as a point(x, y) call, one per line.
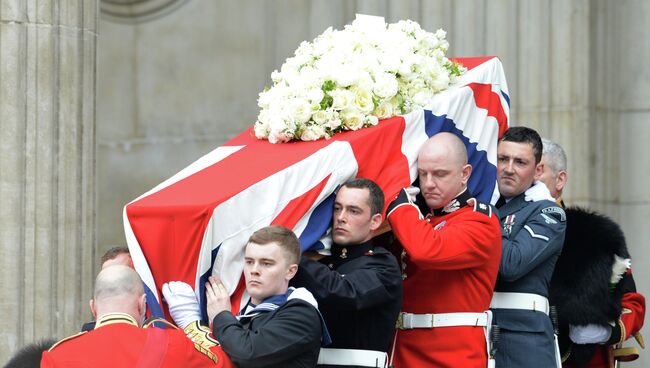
point(505, 95)
point(152, 302)
point(483, 179)
point(318, 224)
point(202, 280)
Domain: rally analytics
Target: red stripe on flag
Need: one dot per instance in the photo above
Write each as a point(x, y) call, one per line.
point(296, 208)
point(472, 62)
point(489, 100)
point(380, 158)
point(235, 298)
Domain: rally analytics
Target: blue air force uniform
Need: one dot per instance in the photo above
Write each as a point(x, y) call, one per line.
point(532, 235)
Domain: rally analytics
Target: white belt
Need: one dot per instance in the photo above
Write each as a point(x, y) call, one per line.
point(362, 358)
point(524, 301)
point(407, 321)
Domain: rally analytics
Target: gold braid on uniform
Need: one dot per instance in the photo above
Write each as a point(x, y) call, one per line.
point(200, 335)
point(150, 323)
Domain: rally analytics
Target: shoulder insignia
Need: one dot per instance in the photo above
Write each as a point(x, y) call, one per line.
point(206, 352)
point(548, 219)
point(66, 339)
point(151, 322)
point(200, 334)
point(555, 210)
point(481, 207)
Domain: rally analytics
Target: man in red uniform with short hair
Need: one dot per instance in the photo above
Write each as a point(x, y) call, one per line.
point(450, 263)
point(119, 341)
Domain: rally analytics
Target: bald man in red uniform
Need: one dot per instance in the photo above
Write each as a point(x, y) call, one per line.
point(118, 339)
point(450, 263)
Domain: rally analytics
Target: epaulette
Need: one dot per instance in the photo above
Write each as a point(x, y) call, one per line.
point(66, 339)
point(481, 207)
point(200, 336)
point(150, 323)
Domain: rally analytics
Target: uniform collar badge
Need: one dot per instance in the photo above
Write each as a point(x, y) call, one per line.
point(455, 204)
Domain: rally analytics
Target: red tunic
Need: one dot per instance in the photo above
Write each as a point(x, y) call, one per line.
point(121, 343)
point(451, 266)
point(632, 318)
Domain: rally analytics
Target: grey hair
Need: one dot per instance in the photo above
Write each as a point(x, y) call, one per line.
point(554, 155)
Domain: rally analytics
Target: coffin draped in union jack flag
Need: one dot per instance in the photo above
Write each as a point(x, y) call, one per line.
point(197, 222)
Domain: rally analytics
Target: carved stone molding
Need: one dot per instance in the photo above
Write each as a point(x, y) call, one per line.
point(138, 11)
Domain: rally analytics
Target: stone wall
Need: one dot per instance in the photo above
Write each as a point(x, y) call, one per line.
point(47, 168)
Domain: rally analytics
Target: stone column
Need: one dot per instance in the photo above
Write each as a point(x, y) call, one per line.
point(620, 117)
point(47, 168)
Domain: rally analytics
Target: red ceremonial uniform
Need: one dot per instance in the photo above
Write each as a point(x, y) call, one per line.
point(633, 305)
point(117, 341)
point(451, 266)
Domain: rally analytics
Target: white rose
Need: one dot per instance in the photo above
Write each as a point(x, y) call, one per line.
point(371, 120)
point(352, 119)
point(300, 110)
point(384, 110)
point(363, 100)
point(342, 99)
point(334, 121)
point(327, 118)
point(385, 85)
point(320, 117)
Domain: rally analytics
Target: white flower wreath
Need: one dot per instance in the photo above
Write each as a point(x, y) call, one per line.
point(349, 79)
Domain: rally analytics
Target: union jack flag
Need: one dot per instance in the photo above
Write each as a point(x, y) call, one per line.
point(197, 222)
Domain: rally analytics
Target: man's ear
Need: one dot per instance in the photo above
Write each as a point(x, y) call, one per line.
point(539, 170)
point(560, 181)
point(291, 272)
point(93, 311)
point(466, 172)
point(375, 221)
point(142, 307)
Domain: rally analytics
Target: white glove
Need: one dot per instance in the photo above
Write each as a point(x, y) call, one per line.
point(412, 193)
point(538, 192)
point(183, 305)
point(589, 334)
